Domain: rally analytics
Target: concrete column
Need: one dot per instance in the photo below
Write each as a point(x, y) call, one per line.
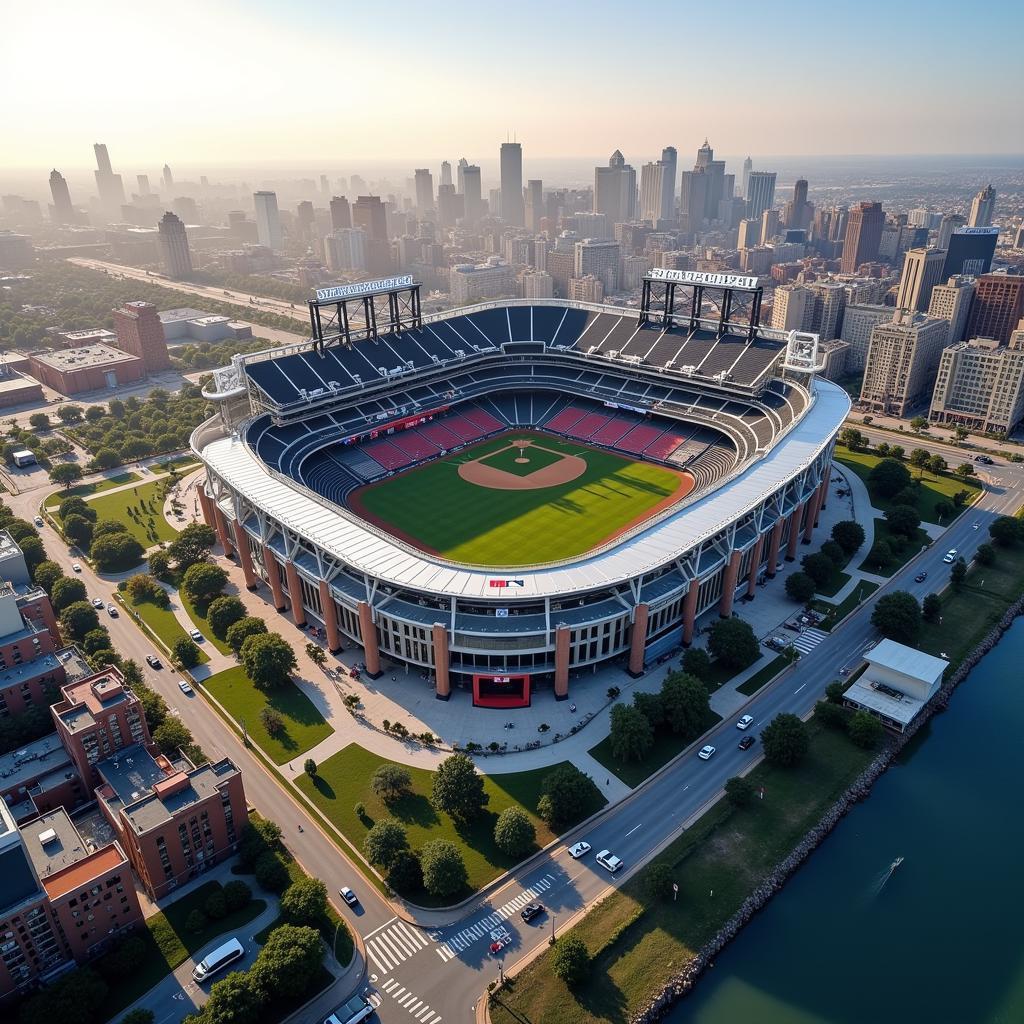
point(794, 533)
point(206, 507)
point(690, 612)
point(330, 616)
point(561, 662)
point(755, 561)
point(368, 634)
point(638, 641)
point(824, 487)
point(729, 579)
point(443, 683)
point(273, 577)
point(244, 556)
point(222, 531)
point(295, 593)
point(773, 546)
point(812, 515)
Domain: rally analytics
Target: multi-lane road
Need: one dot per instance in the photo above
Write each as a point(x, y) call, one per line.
point(432, 974)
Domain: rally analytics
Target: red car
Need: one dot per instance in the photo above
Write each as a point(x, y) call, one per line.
point(496, 947)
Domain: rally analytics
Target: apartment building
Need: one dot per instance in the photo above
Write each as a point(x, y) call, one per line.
point(902, 362)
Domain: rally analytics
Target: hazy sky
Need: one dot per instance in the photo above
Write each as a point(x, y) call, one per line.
point(223, 82)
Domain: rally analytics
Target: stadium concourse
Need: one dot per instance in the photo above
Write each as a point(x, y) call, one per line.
point(301, 431)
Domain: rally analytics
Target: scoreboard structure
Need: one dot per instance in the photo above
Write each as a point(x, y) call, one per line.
point(735, 298)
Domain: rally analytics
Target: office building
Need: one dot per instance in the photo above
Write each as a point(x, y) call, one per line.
point(460, 170)
point(268, 221)
point(652, 192)
point(370, 215)
point(185, 208)
point(997, 307)
point(769, 226)
point(863, 236)
point(982, 208)
point(471, 190)
point(538, 285)
point(140, 333)
point(947, 225)
point(424, 190)
point(749, 233)
point(586, 289)
point(589, 225)
point(491, 280)
point(952, 302)
point(109, 184)
point(341, 215)
point(903, 359)
point(748, 166)
point(615, 190)
point(560, 265)
point(173, 242)
point(859, 320)
point(670, 161)
point(512, 208)
point(922, 271)
point(167, 178)
point(446, 174)
point(534, 204)
point(634, 268)
point(1018, 238)
point(980, 385)
point(16, 250)
point(970, 251)
point(345, 249)
point(797, 212)
point(63, 211)
point(792, 308)
point(72, 371)
point(693, 186)
point(760, 195)
point(829, 303)
point(600, 258)
point(898, 239)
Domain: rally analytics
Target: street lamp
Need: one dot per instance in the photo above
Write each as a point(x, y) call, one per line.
point(552, 929)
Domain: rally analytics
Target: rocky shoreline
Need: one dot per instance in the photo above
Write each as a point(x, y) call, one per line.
point(685, 980)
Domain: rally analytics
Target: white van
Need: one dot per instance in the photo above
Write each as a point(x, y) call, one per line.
point(355, 1010)
point(215, 962)
point(608, 860)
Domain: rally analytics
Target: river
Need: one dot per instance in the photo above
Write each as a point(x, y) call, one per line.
point(942, 940)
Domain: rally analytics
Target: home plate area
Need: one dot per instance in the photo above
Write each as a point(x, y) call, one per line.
point(525, 464)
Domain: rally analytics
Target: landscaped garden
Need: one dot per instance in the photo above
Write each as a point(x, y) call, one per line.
point(88, 490)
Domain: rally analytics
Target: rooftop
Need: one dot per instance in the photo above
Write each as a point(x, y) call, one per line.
point(896, 706)
point(85, 699)
point(18, 767)
point(907, 661)
point(93, 334)
point(83, 357)
point(171, 316)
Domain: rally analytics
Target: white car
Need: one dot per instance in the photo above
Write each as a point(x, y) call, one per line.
point(196, 635)
point(705, 752)
point(97, 602)
point(185, 687)
point(609, 861)
point(38, 520)
point(348, 895)
point(112, 610)
point(950, 556)
point(76, 567)
point(745, 722)
point(579, 850)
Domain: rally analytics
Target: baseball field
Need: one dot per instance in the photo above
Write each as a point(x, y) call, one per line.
point(522, 498)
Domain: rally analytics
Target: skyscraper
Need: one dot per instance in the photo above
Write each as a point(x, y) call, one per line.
point(446, 173)
point(534, 204)
point(168, 178)
point(470, 175)
point(599, 258)
point(669, 158)
point(760, 194)
point(341, 215)
point(424, 190)
point(173, 243)
point(143, 182)
point(459, 175)
point(345, 249)
point(796, 211)
point(63, 211)
point(922, 271)
point(268, 222)
point(652, 176)
point(952, 302)
point(863, 235)
point(512, 208)
point(140, 333)
point(902, 362)
point(715, 171)
point(108, 183)
point(615, 190)
point(748, 166)
point(693, 198)
point(982, 208)
point(970, 251)
point(997, 308)
point(950, 223)
point(370, 215)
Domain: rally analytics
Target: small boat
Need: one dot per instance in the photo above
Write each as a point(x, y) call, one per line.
point(895, 864)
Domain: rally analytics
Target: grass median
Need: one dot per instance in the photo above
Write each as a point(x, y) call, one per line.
point(161, 622)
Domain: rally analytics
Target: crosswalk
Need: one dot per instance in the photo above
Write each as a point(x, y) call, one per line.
point(481, 929)
point(806, 641)
point(409, 1001)
point(394, 944)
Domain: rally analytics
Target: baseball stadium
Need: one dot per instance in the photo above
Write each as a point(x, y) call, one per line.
point(507, 496)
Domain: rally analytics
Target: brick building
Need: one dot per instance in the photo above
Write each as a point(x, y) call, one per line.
point(141, 334)
point(89, 368)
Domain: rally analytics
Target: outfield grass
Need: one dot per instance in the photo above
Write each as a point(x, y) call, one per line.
point(343, 781)
point(86, 490)
point(666, 746)
point(433, 506)
point(304, 726)
point(902, 550)
point(162, 622)
point(933, 490)
point(638, 942)
point(148, 524)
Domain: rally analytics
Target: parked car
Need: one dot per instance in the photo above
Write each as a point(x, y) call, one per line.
point(38, 520)
point(496, 947)
point(745, 722)
point(185, 687)
point(609, 861)
point(530, 911)
point(76, 567)
point(950, 556)
point(747, 742)
point(705, 752)
point(579, 849)
point(196, 635)
point(348, 895)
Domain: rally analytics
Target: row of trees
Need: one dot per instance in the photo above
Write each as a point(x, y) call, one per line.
point(680, 707)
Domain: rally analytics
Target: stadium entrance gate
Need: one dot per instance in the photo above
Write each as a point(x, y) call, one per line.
point(501, 691)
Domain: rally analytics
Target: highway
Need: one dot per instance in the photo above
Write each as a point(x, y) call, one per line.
point(427, 975)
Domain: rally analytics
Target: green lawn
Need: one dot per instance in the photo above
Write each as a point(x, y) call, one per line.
point(199, 618)
point(304, 726)
point(344, 780)
point(86, 490)
point(835, 613)
point(169, 943)
point(934, 489)
point(147, 523)
point(161, 621)
point(902, 550)
point(763, 675)
point(435, 507)
point(666, 746)
point(836, 582)
point(638, 942)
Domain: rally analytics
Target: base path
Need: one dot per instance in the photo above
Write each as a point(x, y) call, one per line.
point(563, 470)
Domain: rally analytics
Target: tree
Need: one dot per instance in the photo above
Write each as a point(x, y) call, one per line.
point(919, 458)
point(391, 781)
point(834, 553)
point(697, 662)
point(944, 510)
point(115, 552)
point(937, 464)
point(733, 643)
point(69, 413)
point(272, 721)
point(1005, 531)
point(739, 791)
point(570, 960)
point(919, 423)
point(566, 796)
point(159, 564)
point(686, 703)
point(223, 613)
point(196, 922)
point(33, 552)
point(288, 962)
point(960, 433)
point(94, 413)
point(268, 660)
point(234, 999)
point(309, 766)
point(237, 895)
point(514, 833)
point(834, 716)
point(985, 555)
point(97, 639)
point(172, 735)
point(316, 654)
point(958, 573)
point(834, 692)
point(258, 836)
point(240, 631)
point(67, 590)
point(39, 421)
point(849, 535)
point(931, 608)
point(631, 735)
point(865, 730)
point(898, 617)
point(66, 474)
point(444, 873)
point(78, 530)
point(852, 438)
point(138, 1016)
point(271, 872)
point(46, 574)
point(185, 652)
point(785, 740)
point(74, 998)
point(800, 587)
point(649, 705)
point(384, 842)
point(458, 790)
point(897, 451)
point(888, 477)
point(405, 874)
point(204, 581)
point(305, 902)
point(658, 881)
point(881, 554)
point(964, 470)
point(819, 567)
point(142, 587)
point(192, 545)
point(216, 907)
point(77, 619)
point(903, 521)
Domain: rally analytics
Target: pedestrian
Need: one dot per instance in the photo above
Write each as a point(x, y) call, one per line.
point(607, 782)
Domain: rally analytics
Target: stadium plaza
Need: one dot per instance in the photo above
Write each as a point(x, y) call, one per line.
point(289, 467)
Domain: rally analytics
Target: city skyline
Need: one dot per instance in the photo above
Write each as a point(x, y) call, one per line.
point(292, 53)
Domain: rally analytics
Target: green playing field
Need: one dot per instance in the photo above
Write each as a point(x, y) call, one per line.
point(433, 507)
